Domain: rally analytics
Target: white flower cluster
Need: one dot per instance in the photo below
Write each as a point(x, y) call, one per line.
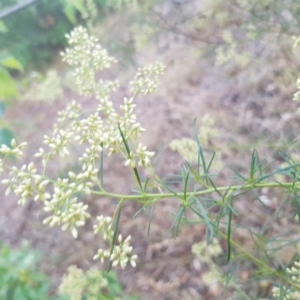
point(187, 149)
point(88, 57)
point(142, 154)
point(25, 183)
point(284, 293)
point(206, 252)
point(83, 285)
point(63, 204)
point(287, 293)
point(103, 130)
point(121, 253)
point(207, 131)
point(294, 272)
point(147, 79)
point(73, 283)
point(14, 150)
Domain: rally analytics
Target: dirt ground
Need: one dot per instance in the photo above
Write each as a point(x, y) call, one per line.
point(249, 107)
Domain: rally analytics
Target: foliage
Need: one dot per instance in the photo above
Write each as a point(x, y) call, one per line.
point(88, 57)
point(8, 90)
point(8, 87)
point(21, 280)
point(34, 34)
point(19, 276)
point(110, 131)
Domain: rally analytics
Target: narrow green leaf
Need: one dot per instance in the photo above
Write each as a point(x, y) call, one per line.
point(296, 200)
point(282, 205)
point(185, 186)
point(170, 190)
point(137, 175)
point(287, 168)
point(124, 140)
point(190, 169)
point(258, 198)
point(229, 235)
point(211, 161)
point(200, 151)
point(255, 166)
point(150, 219)
point(238, 174)
point(271, 259)
point(138, 212)
point(225, 195)
point(115, 232)
point(213, 185)
point(146, 183)
point(178, 218)
point(206, 219)
point(252, 165)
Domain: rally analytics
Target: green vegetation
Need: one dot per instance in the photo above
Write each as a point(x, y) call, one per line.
point(19, 275)
point(21, 279)
point(34, 34)
point(207, 193)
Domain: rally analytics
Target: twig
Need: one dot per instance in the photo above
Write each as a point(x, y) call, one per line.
point(14, 9)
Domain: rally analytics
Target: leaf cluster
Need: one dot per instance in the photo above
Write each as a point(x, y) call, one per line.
point(19, 275)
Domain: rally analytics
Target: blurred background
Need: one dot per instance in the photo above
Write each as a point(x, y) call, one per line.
point(232, 60)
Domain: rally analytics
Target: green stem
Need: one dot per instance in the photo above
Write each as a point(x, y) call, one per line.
point(198, 193)
point(255, 260)
point(260, 263)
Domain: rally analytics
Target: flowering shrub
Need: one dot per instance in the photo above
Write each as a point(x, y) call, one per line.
point(111, 131)
point(21, 279)
point(103, 130)
point(19, 275)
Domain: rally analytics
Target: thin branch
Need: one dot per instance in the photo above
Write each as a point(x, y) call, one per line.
point(203, 192)
point(177, 31)
point(14, 9)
